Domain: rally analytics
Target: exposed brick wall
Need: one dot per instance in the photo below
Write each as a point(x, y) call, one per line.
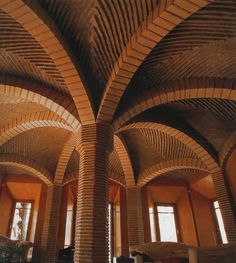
point(91, 240)
point(40, 223)
point(49, 249)
point(135, 216)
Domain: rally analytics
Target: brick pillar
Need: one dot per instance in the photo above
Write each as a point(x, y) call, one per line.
point(135, 216)
point(63, 214)
point(91, 240)
point(39, 226)
point(49, 250)
point(146, 220)
point(226, 203)
point(124, 223)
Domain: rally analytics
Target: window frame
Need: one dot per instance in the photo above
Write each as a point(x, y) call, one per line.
point(219, 239)
point(72, 226)
point(176, 218)
point(15, 201)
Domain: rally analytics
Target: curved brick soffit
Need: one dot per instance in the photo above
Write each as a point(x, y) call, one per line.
point(28, 165)
point(37, 23)
point(32, 92)
point(202, 153)
point(71, 144)
point(227, 149)
point(214, 88)
point(168, 166)
point(31, 121)
point(126, 163)
point(116, 177)
point(165, 17)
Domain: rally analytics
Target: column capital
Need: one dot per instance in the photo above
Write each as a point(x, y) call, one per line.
point(95, 135)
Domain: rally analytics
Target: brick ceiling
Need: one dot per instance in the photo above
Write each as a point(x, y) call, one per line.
point(70, 63)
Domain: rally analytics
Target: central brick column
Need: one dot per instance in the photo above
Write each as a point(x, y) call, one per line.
point(91, 239)
point(135, 216)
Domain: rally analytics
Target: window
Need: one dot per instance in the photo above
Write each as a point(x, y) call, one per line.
point(220, 222)
point(21, 220)
point(114, 231)
point(166, 223)
point(69, 222)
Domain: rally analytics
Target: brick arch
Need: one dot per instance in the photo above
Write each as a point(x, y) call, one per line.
point(214, 88)
point(114, 176)
point(222, 191)
point(167, 166)
point(227, 149)
point(38, 24)
point(31, 121)
point(200, 151)
point(117, 178)
point(27, 164)
point(33, 92)
point(70, 145)
point(165, 17)
point(122, 152)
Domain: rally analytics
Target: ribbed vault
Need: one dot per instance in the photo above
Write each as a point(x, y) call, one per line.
point(202, 45)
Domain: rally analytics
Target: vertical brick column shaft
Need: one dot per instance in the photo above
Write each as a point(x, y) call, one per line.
point(40, 224)
point(51, 223)
point(226, 205)
point(91, 239)
point(135, 216)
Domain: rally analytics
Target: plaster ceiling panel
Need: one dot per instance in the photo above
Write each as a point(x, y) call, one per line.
point(25, 191)
point(205, 187)
point(165, 194)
